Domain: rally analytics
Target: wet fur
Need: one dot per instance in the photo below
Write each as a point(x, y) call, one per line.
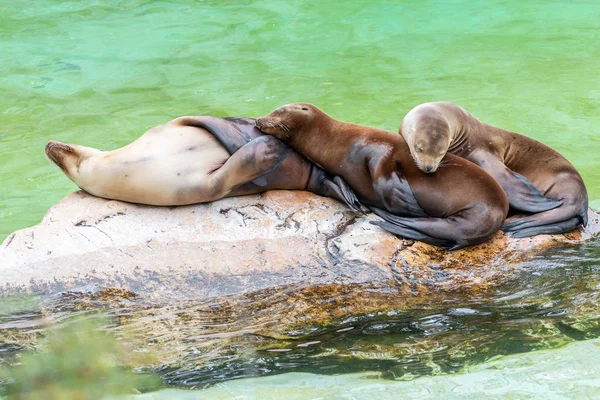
point(536, 178)
point(194, 160)
point(460, 205)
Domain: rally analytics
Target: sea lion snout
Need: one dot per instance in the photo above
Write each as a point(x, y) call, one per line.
point(424, 161)
point(285, 121)
point(429, 167)
point(271, 125)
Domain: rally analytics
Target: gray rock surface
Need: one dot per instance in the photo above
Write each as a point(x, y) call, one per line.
point(238, 245)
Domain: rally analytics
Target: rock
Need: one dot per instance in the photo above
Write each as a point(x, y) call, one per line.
point(235, 284)
point(243, 245)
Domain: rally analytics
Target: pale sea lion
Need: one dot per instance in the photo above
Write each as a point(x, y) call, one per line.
point(536, 178)
point(460, 205)
point(183, 162)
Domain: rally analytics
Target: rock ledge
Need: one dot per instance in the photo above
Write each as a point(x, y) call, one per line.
point(238, 245)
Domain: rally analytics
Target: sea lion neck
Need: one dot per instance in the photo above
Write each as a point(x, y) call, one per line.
point(320, 140)
point(458, 131)
point(459, 137)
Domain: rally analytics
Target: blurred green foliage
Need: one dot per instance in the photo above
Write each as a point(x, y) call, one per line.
point(78, 361)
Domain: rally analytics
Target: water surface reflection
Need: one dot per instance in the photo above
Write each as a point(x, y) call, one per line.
point(334, 329)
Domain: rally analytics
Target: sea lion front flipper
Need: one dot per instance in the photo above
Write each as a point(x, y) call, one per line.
point(340, 190)
point(250, 163)
point(522, 194)
point(409, 233)
point(459, 225)
point(402, 200)
point(232, 133)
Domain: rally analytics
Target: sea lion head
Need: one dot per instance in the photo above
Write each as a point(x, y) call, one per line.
point(428, 137)
point(70, 157)
point(288, 120)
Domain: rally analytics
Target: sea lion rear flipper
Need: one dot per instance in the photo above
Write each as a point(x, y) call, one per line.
point(558, 227)
point(567, 217)
point(522, 194)
point(260, 181)
point(525, 197)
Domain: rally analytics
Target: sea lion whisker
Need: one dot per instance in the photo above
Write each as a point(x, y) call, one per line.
point(283, 126)
point(268, 124)
point(448, 164)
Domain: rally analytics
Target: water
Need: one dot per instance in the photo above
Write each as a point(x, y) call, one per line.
point(537, 375)
point(199, 344)
point(100, 73)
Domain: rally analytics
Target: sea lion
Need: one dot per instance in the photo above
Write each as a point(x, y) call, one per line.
point(536, 178)
point(183, 162)
point(459, 206)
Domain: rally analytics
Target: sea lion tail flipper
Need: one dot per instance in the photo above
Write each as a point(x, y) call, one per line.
point(232, 133)
point(408, 233)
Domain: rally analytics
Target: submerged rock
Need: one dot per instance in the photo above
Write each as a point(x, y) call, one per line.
point(243, 245)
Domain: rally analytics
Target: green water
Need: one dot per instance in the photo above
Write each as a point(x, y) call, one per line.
point(100, 73)
point(538, 375)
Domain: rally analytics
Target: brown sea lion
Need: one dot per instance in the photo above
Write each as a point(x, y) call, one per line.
point(460, 205)
point(188, 160)
point(536, 178)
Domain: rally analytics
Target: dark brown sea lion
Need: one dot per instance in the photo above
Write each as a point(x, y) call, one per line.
point(460, 205)
point(536, 178)
point(184, 162)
